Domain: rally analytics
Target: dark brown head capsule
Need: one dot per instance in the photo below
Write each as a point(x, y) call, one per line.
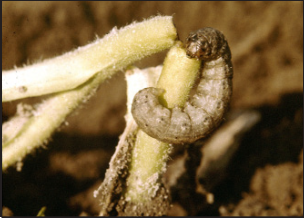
point(207, 44)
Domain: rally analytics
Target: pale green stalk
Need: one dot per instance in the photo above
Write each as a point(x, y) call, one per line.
point(149, 156)
point(112, 53)
point(48, 116)
point(52, 112)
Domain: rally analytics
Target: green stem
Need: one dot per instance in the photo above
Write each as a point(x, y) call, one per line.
point(149, 156)
point(51, 113)
point(48, 116)
point(110, 54)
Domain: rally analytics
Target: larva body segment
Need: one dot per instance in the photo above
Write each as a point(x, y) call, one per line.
point(204, 111)
point(215, 89)
point(155, 119)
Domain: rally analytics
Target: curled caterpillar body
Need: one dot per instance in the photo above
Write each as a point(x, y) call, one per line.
point(204, 111)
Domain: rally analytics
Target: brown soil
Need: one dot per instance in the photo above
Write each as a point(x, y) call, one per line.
point(265, 176)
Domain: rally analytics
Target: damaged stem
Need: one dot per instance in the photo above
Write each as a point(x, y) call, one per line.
point(149, 155)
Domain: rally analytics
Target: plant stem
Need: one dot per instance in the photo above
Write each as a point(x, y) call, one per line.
point(47, 117)
point(149, 156)
point(110, 54)
point(178, 76)
point(50, 114)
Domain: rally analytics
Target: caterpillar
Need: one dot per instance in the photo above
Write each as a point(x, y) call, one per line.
point(204, 111)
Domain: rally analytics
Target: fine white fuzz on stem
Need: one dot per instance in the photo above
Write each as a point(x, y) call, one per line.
point(85, 68)
point(113, 52)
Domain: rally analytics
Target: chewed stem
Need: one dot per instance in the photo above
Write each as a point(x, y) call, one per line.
point(150, 155)
point(178, 76)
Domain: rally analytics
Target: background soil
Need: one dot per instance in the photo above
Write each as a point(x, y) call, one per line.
point(265, 176)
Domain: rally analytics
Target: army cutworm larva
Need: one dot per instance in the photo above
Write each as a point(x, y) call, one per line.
point(204, 111)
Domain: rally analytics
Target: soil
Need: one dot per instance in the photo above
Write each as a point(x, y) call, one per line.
point(265, 177)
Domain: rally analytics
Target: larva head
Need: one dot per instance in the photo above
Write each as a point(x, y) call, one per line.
point(207, 44)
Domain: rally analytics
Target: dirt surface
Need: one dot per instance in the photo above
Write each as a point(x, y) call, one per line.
point(265, 177)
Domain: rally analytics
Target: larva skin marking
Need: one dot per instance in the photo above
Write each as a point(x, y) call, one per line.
point(204, 111)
